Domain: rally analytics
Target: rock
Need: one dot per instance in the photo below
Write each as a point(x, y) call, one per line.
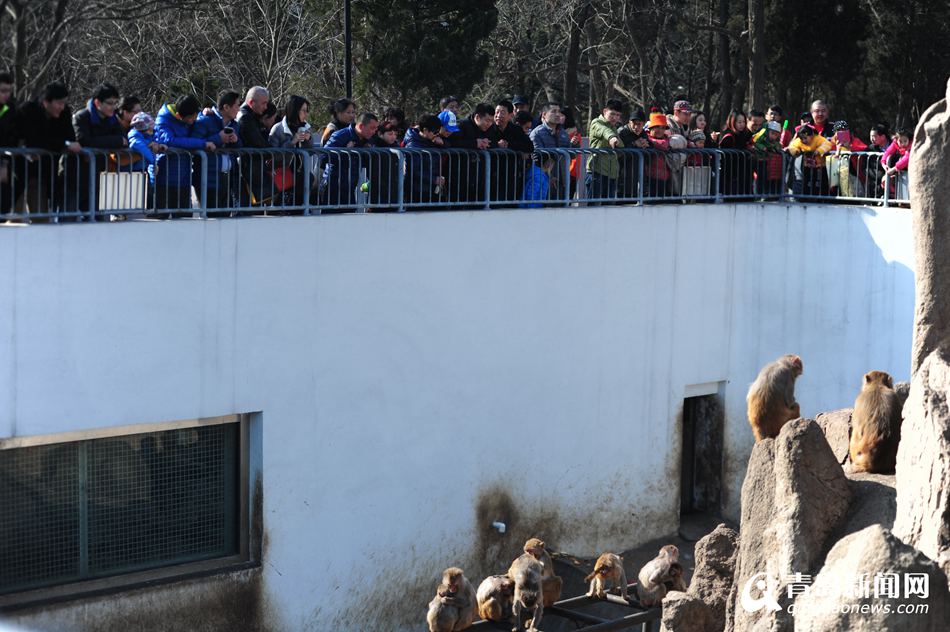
point(873, 501)
point(683, 612)
point(923, 461)
point(836, 426)
point(903, 391)
point(714, 572)
point(830, 605)
point(929, 192)
point(794, 495)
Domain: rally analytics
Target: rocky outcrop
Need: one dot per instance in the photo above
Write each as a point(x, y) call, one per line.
point(863, 587)
point(703, 607)
point(923, 461)
point(929, 192)
point(836, 426)
point(794, 496)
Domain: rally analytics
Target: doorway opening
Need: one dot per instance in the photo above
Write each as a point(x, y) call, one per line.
point(701, 466)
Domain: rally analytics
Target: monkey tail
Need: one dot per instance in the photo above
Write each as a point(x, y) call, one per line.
point(591, 576)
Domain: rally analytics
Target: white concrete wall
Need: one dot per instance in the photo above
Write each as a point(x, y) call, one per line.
point(411, 369)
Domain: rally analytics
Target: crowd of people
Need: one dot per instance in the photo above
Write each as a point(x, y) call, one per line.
point(673, 156)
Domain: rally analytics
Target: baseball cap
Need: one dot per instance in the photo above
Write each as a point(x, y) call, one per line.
point(685, 106)
point(638, 115)
point(518, 100)
point(449, 121)
point(774, 126)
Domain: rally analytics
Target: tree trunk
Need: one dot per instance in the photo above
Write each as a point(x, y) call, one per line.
point(579, 19)
point(757, 54)
point(725, 64)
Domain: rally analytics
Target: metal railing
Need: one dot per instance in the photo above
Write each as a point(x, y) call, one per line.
point(103, 185)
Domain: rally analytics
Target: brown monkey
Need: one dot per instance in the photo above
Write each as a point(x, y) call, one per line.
point(651, 587)
point(875, 425)
point(453, 607)
point(526, 572)
point(676, 581)
point(771, 397)
point(608, 568)
point(495, 595)
point(550, 583)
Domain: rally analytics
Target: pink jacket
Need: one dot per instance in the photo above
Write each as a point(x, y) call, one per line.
point(903, 152)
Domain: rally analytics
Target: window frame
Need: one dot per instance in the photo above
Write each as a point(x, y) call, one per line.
point(248, 555)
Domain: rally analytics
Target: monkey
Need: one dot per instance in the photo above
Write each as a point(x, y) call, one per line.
point(453, 607)
point(875, 425)
point(608, 568)
point(676, 581)
point(551, 584)
point(651, 587)
point(526, 573)
point(495, 595)
point(771, 397)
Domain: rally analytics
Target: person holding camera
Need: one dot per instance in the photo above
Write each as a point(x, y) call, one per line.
point(218, 125)
point(291, 132)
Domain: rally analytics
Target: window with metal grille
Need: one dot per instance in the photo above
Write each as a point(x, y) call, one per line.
point(94, 508)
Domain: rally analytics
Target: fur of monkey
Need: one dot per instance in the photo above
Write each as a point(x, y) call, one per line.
point(495, 595)
point(607, 569)
point(875, 425)
point(526, 573)
point(677, 581)
point(771, 397)
point(453, 607)
point(651, 586)
point(551, 584)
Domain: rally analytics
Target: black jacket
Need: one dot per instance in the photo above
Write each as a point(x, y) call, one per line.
point(94, 131)
point(469, 133)
point(516, 138)
point(8, 133)
point(39, 131)
point(250, 128)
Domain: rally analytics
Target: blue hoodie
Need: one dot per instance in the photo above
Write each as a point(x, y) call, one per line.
point(175, 169)
point(138, 142)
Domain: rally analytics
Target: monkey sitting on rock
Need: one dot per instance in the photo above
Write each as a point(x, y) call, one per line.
point(453, 607)
point(771, 397)
point(653, 576)
point(875, 425)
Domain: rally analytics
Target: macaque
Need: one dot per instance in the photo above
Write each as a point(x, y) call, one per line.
point(771, 397)
point(526, 573)
point(875, 425)
point(651, 587)
point(608, 568)
point(550, 583)
point(676, 581)
point(453, 607)
point(495, 595)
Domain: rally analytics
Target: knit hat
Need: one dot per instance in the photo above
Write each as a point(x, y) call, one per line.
point(142, 121)
point(697, 135)
point(840, 126)
point(806, 129)
point(774, 126)
point(658, 119)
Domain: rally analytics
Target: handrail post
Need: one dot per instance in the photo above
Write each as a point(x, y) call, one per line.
point(203, 183)
point(486, 155)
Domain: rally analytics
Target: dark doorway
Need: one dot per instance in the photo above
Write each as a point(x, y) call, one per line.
point(701, 475)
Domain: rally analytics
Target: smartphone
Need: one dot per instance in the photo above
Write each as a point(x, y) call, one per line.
point(843, 137)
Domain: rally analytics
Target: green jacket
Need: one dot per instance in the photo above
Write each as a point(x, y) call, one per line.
point(600, 132)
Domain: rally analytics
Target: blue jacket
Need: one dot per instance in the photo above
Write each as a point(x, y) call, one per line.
point(209, 127)
point(138, 142)
point(175, 169)
point(343, 169)
point(422, 168)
